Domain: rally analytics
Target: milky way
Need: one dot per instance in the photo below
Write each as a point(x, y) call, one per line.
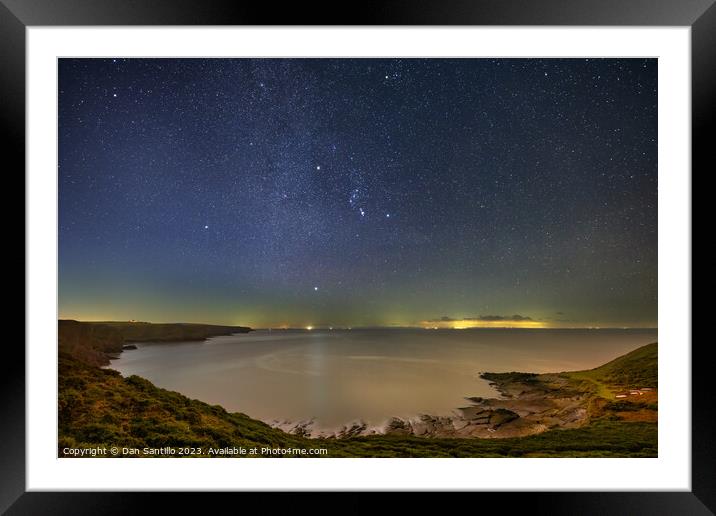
point(358, 191)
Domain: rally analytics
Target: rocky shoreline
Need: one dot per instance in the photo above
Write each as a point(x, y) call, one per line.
point(529, 404)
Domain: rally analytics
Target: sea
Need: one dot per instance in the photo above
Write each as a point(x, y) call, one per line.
point(338, 377)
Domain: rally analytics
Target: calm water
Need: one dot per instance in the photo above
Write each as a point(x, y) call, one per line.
point(341, 376)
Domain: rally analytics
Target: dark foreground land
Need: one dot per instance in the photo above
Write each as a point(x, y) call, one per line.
point(95, 343)
point(574, 414)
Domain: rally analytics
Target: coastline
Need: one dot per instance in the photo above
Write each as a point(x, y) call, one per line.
point(96, 343)
point(530, 404)
point(527, 404)
point(559, 406)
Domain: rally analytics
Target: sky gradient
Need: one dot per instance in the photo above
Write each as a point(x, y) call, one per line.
point(359, 192)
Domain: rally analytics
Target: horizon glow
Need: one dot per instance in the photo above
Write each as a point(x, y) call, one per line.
point(359, 192)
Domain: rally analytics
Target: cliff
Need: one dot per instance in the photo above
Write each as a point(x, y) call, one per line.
point(94, 342)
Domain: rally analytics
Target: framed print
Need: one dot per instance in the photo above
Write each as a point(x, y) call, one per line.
point(429, 248)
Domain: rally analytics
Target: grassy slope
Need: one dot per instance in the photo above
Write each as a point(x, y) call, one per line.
point(99, 407)
point(633, 370)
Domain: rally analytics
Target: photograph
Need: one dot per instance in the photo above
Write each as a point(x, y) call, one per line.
point(357, 257)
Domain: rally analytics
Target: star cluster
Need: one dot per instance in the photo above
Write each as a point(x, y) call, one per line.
point(358, 191)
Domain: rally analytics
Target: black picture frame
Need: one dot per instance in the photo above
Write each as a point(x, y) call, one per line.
point(17, 15)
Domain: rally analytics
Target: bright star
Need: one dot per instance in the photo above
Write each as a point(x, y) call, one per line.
point(206, 227)
point(315, 288)
point(114, 94)
point(318, 167)
point(387, 215)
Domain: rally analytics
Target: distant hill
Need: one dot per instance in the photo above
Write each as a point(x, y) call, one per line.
point(170, 332)
point(93, 342)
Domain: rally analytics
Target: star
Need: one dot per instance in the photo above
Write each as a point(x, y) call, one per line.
point(251, 158)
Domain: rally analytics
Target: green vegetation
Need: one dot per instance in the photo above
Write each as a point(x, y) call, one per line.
point(100, 408)
point(629, 406)
point(637, 369)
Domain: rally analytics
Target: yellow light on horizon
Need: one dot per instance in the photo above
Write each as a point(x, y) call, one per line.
point(309, 328)
point(465, 324)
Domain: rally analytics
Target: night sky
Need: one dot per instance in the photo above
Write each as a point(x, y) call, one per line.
point(355, 192)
